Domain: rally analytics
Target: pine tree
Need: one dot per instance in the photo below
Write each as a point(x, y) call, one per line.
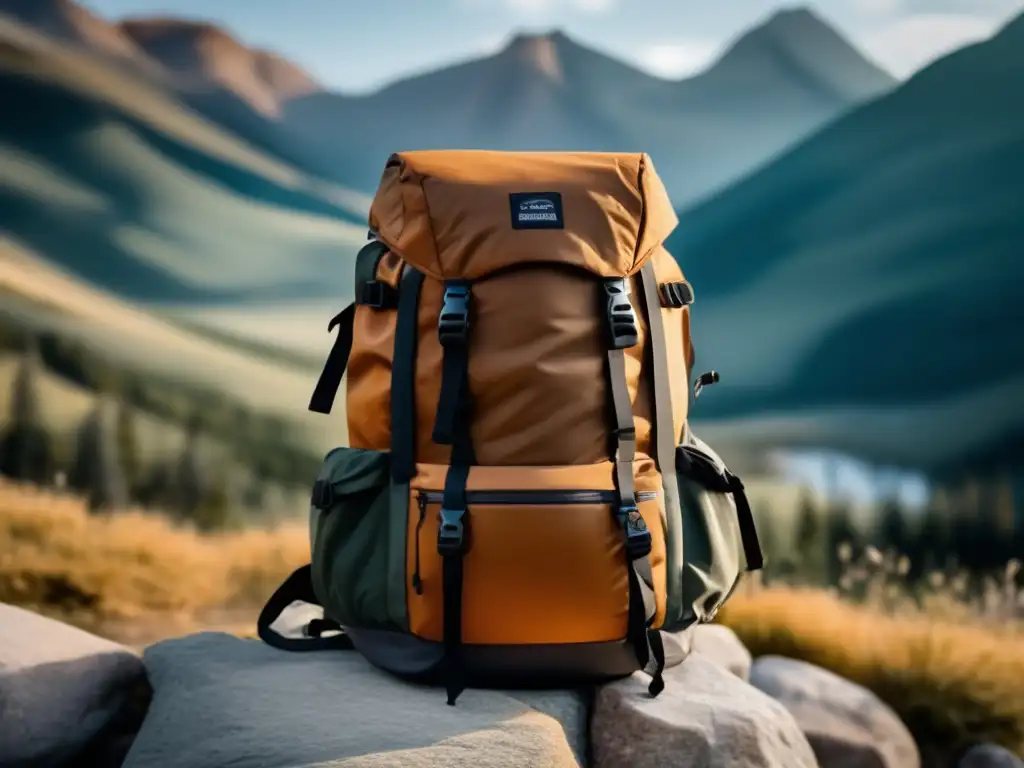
point(893, 530)
point(96, 473)
point(26, 452)
point(189, 475)
point(808, 538)
point(128, 448)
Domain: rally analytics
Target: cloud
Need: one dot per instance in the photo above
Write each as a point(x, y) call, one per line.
point(907, 45)
point(878, 7)
point(677, 60)
point(541, 7)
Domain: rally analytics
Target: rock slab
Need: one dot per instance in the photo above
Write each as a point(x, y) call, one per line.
point(219, 700)
point(705, 718)
point(990, 756)
point(62, 691)
point(721, 645)
point(846, 724)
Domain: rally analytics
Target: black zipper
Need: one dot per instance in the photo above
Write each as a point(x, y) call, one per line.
point(539, 498)
point(417, 582)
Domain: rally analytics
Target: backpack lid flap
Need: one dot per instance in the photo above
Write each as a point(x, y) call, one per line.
point(465, 214)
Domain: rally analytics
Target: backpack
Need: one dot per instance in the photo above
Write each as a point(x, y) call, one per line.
point(521, 501)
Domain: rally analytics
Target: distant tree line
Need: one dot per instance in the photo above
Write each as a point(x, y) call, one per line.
point(104, 462)
point(971, 527)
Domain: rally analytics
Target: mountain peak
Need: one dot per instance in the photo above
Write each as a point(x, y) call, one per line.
point(203, 51)
point(801, 45)
point(541, 53)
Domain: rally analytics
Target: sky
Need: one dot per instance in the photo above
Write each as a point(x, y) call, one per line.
point(356, 46)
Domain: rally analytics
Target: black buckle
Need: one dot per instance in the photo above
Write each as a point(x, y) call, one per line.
point(638, 535)
point(322, 497)
point(453, 323)
point(451, 535)
point(623, 330)
point(377, 295)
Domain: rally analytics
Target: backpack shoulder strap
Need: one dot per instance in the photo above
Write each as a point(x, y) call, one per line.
point(299, 587)
point(370, 292)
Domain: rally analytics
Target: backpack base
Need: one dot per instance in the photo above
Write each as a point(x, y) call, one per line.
point(505, 666)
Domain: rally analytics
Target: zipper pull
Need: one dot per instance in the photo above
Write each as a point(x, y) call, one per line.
point(417, 582)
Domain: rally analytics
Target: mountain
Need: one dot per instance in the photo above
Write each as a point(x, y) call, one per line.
point(68, 21)
point(204, 54)
point(870, 277)
point(776, 83)
point(119, 181)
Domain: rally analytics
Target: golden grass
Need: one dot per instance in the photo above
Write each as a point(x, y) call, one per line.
point(57, 559)
point(954, 675)
point(952, 682)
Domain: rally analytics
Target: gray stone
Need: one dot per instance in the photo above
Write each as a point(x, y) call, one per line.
point(61, 689)
point(720, 644)
point(990, 756)
point(847, 725)
point(219, 700)
point(705, 718)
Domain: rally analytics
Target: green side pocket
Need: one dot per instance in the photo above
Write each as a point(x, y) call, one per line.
point(352, 538)
point(715, 552)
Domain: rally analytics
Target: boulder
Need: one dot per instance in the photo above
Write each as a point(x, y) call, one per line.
point(990, 756)
point(219, 700)
point(847, 725)
point(705, 718)
point(66, 696)
point(721, 645)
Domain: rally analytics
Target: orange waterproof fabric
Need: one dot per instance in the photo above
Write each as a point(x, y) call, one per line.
point(507, 565)
point(537, 345)
point(448, 212)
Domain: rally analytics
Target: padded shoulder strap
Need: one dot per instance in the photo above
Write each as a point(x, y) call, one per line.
point(299, 587)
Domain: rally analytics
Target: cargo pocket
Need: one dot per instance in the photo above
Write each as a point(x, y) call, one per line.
point(351, 529)
point(719, 537)
point(545, 563)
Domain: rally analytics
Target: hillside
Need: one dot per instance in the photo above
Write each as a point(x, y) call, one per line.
point(886, 252)
point(123, 184)
point(787, 76)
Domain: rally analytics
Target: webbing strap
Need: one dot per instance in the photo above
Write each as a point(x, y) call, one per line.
point(299, 586)
point(452, 426)
point(329, 382)
point(403, 377)
point(664, 436)
point(623, 332)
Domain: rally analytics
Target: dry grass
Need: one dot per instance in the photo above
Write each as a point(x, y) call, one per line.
point(56, 559)
point(952, 670)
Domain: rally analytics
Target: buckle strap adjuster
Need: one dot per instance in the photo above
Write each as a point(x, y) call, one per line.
point(638, 536)
point(453, 323)
point(623, 328)
point(378, 295)
point(451, 535)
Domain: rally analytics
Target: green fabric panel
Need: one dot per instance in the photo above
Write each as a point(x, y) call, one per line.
point(675, 533)
point(398, 576)
point(351, 541)
point(713, 552)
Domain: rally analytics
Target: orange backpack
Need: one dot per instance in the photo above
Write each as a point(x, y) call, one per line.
point(521, 498)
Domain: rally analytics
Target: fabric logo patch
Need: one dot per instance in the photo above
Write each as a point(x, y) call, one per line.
point(536, 210)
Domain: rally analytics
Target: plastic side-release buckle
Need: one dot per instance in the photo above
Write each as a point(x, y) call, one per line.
point(453, 323)
point(451, 536)
point(623, 329)
point(638, 535)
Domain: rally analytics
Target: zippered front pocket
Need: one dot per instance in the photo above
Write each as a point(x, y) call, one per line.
point(544, 562)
